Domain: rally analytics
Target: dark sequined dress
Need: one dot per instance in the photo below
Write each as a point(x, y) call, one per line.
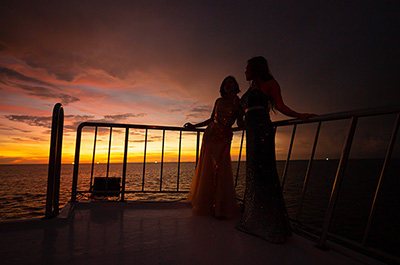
point(265, 214)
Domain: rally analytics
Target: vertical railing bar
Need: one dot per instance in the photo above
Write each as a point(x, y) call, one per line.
point(93, 159)
point(124, 163)
point(240, 155)
point(60, 123)
point(162, 159)
point(179, 159)
point(51, 170)
point(382, 175)
point(308, 172)
point(197, 147)
point(144, 159)
point(53, 178)
point(76, 163)
point(338, 181)
point(108, 159)
point(288, 156)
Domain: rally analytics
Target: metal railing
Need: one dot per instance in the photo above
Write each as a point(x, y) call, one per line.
point(352, 116)
point(127, 128)
point(53, 179)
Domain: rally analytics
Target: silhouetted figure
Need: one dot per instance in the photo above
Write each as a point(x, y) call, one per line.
point(265, 212)
point(212, 191)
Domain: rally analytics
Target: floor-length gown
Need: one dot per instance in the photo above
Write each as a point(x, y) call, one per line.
point(265, 214)
point(212, 191)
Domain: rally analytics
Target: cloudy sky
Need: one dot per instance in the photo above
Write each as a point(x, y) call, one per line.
point(162, 62)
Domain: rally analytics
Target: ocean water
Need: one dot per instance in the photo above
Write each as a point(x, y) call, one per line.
point(23, 192)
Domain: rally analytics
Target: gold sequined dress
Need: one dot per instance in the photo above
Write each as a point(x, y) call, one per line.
point(212, 191)
point(265, 213)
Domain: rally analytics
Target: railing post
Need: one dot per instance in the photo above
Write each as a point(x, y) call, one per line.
point(240, 155)
point(197, 147)
point(93, 159)
point(179, 159)
point(310, 162)
point(144, 159)
point(76, 162)
point(338, 181)
point(108, 158)
point(53, 179)
point(162, 159)
point(288, 156)
point(383, 173)
point(124, 165)
point(57, 176)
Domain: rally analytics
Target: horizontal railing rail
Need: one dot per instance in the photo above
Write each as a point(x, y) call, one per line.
point(383, 110)
point(351, 116)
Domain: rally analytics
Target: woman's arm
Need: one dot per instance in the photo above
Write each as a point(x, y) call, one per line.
point(204, 123)
point(272, 89)
point(201, 124)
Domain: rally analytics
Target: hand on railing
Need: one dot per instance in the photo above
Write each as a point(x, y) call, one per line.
point(306, 116)
point(188, 125)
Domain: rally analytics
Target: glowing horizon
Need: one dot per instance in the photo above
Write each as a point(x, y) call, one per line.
point(135, 149)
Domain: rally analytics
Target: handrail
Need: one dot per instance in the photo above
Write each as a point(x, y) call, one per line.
point(53, 179)
point(352, 116)
point(383, 110)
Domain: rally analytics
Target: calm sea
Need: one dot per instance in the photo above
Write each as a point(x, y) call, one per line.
point(23, 192)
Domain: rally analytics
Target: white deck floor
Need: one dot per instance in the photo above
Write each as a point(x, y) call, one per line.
point(150, 233)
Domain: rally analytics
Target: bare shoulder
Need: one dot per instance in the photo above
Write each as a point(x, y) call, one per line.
point(272, 83)
point(270, 87)
point(217, 101)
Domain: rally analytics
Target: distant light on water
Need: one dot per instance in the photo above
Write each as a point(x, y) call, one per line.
point(327, 158)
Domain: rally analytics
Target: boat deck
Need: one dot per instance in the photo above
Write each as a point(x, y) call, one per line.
point(151, 233)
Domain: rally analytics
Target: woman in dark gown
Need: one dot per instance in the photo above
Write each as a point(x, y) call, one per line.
point(265, 213)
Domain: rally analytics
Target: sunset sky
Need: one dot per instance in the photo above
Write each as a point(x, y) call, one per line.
point(162, 62)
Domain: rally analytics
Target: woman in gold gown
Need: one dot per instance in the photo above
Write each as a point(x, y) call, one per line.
point(212, 191)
